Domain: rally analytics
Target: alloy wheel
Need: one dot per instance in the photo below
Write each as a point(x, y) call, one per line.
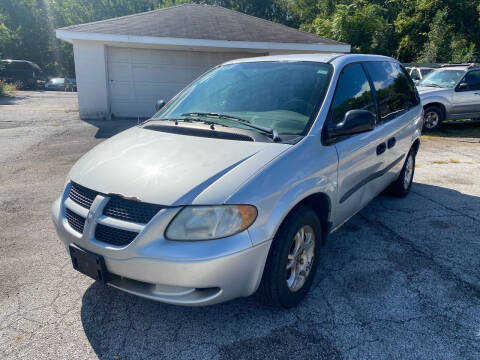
point(19, 84)
point(407, 178)
point(431, 119)
point(300, 258)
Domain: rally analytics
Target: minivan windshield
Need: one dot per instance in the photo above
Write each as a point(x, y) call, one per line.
point(442, 78)
point(282, 96)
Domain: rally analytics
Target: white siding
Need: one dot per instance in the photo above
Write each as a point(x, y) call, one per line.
point(90, 69)
point(138, 77)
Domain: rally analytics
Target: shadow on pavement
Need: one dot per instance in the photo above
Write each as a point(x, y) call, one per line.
point(386, 282)
point(108, 128)
point(458, 129)
point(10, 99)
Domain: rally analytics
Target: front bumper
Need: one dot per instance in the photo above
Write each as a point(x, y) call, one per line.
point(177, 272)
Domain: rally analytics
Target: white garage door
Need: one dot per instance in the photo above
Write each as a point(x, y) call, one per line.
point(140, 77)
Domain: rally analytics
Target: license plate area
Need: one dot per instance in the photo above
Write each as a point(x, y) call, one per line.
point(89, 264)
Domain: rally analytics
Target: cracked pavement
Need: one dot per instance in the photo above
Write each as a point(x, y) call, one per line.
point(400, 280)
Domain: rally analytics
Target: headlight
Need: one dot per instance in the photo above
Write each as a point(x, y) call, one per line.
point(210, 222)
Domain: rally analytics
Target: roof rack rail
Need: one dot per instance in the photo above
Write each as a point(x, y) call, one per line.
point(473, 64)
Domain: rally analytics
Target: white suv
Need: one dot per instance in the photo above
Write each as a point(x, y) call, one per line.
point(233, 186)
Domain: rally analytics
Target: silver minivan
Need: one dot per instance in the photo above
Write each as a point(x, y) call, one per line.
point(232, 187)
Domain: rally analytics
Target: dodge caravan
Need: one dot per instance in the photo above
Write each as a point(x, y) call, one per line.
point(232, 187)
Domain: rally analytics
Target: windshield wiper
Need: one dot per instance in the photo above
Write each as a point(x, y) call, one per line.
point(270, 131)
point(430, 85)
point(186, 119)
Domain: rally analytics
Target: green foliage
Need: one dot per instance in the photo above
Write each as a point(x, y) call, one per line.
point(361, 24)
point(410, 30)
point(6, 88)
point(437, 48)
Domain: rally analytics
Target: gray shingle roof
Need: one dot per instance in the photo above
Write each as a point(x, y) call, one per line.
point(194, 21)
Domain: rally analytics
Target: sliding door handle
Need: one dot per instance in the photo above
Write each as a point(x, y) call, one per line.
point(391, 142)
point(381, 148)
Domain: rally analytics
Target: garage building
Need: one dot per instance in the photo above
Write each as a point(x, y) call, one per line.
point(124, 65)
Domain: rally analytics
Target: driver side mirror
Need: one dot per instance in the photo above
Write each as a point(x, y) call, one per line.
point(159, 104)
point(354, 122)
point(462, 86)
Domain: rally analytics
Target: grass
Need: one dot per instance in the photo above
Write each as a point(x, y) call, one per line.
point(449, 161)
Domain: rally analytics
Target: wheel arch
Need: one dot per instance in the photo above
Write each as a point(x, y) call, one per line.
point(416, 145)
point(439, 105)
point(321, 204)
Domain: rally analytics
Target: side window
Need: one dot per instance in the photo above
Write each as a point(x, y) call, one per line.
point(473, 80)
point(353, 92)
point(15, 66)
point(395, 91)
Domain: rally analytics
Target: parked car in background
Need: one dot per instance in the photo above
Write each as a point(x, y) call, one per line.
point(418, 73)
point(24, 74)
point(61, 84)
point(233, 186)
point(450, 93)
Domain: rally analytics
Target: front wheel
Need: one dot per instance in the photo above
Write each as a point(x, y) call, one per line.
point(401, 186)
point(293, 259)
point(433, 118)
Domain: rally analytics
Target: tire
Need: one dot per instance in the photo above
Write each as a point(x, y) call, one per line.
point(285, 288)
point(433, 118)
point(19, 84)
point(401, 187)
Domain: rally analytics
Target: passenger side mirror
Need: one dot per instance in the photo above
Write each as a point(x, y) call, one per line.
point(354, 122)
point(462, 86)
point(159, 104)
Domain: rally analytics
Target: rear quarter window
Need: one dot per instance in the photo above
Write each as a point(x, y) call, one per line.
point(396, 92)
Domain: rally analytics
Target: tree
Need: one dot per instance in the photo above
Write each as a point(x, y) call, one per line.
point(361, 24)
point(437, 48)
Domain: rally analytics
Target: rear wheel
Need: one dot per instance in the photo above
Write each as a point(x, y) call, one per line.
point(433, 118)
point(293, 259)
point(19, 84)
point(401, 186)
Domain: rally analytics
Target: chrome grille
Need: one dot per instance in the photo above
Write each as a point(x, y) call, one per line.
point(113, 236)
point(82, 195)
point(130, 210)
point(76, 222)
point(116, 207)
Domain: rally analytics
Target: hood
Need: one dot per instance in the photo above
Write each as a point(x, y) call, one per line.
point(424, 90)
point(170, 169)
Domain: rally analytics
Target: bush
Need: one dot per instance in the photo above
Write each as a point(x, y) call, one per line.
point(6, 88)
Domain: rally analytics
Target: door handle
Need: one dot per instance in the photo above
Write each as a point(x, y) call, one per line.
point(391, 142)
point(381, 148)
point(477, 93)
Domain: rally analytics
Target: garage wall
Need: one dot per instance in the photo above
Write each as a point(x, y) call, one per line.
point(91, 77)
point(137, 78)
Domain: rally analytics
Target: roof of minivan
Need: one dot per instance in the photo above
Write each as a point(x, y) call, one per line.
point(318, 57)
